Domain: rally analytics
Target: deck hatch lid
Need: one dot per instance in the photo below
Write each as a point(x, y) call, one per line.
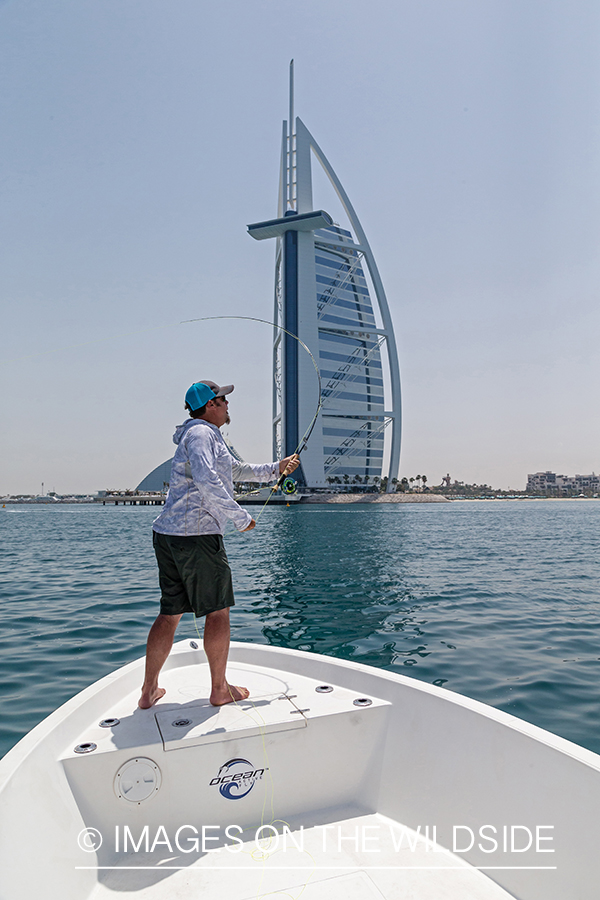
point(207, 724)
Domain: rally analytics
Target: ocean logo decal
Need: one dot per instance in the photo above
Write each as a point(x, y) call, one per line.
point(236, 778)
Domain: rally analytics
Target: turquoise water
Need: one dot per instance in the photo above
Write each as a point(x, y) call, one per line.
point(496, 600)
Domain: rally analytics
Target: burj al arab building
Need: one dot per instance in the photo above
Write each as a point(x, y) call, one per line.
point(329, 293)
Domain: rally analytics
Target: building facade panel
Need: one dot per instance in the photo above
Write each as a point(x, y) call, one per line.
point(323, 296)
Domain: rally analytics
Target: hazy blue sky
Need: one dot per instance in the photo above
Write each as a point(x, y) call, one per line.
point(138, 139)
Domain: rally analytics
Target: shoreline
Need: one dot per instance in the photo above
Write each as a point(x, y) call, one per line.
point(313, 498)
point(373, 498)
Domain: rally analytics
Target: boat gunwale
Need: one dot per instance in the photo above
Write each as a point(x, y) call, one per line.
point(240, 649)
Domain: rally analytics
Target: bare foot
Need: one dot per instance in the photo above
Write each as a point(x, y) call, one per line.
point(230, 694)
point(149, 698)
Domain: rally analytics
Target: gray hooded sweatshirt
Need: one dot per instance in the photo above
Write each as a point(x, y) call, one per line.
point(200, 498)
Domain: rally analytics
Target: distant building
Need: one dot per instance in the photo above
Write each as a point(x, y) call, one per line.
point(328, 292)
point(158, 479)
point(551, 483)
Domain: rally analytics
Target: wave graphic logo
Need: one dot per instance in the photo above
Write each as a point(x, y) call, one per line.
point(236, 778)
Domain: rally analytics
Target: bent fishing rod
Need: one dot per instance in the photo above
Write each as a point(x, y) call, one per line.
point(306, 436)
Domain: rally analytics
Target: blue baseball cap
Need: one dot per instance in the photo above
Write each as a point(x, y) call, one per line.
point(200, 393)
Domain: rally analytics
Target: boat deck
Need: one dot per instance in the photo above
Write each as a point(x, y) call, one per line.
point(291, 832)
point(335, 781)
point(330, 864)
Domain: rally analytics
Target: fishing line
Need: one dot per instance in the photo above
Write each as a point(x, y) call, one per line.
point(261, 853)
point(159, 328)
point(283, 481)
point(98, 341)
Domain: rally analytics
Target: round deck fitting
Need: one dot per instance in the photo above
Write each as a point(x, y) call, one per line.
point(87, 747)
point(181, 723)
point(137, 780)
point(324, 689)
point(362, 701)
point(109, 723)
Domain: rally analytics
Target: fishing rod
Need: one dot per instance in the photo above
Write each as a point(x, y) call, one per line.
point(306, 436)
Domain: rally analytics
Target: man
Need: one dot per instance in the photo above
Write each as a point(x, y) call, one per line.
point(194, 573)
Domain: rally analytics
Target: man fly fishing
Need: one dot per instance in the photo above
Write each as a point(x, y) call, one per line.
point(193, 569)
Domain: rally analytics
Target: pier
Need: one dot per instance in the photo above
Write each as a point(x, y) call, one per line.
point(133, 499)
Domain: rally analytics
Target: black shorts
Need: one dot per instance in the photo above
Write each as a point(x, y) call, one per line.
point(193, 573)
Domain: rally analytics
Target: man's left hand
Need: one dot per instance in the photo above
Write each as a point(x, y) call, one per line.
point(289, 464)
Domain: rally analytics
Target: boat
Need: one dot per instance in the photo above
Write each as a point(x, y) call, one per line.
point(334, 780)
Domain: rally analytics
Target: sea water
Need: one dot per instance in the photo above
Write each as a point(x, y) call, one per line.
point(496, 600)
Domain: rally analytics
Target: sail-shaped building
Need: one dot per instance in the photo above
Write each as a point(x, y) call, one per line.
point(329, 293)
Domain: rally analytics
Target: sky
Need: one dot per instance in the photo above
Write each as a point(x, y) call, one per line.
point(140, 137)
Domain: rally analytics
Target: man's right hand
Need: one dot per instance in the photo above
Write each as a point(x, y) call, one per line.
point(250, 526)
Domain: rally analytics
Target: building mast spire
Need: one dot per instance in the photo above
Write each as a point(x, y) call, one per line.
point(291, 200)
point(291, 122)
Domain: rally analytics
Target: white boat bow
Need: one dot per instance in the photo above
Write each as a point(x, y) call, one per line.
point(335, 780)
